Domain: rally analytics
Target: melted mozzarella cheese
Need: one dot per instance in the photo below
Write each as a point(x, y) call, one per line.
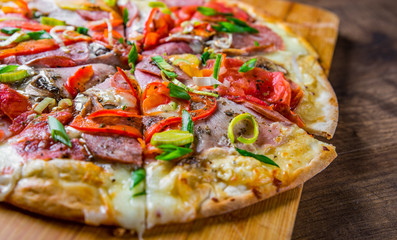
point(10, 168)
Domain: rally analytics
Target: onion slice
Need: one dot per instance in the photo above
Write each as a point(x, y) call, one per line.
point(58, 40)
point(205, 81)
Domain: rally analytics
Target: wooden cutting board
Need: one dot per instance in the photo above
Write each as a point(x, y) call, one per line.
point(270, 219)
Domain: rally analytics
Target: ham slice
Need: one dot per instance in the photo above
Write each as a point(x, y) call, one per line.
point(170, 48)
point(267, 40)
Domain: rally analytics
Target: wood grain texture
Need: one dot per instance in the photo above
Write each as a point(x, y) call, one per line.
point(270, 219)
point(356, 196)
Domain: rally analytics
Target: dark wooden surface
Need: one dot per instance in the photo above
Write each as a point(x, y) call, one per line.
point(356, 196)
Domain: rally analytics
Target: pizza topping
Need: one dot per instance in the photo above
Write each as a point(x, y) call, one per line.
point(58, 132)
point(234, 26)
point(259, 157)
point(12, 103)
point(13, 76)
point(51, 21)
point(187, 122)
point(133, 57)
point(75, 83)
point(217, 66)
point(174, 137)
point(157, 26)
point(46, 102)
point(82, 30)
point(178, 92)
point(137, 178)
point(248, 66)
point(172, 152)
point(242, 139)
point(192, 90)
point(207, 11)
point(90, 126)
point(10, 30)
point(114, 148)
point(165, 67)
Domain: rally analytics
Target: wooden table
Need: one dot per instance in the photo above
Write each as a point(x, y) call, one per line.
point(356, 196)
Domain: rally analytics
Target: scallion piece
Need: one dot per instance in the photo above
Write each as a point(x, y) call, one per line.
point(52, 21)
point(165, 67)
point(110, 3)
point(39, 35)
point(82, 30)
point(217, 66)
point(125, 16)
point(46, 102)
point(11, 77)
point(207, 11)
point(157, 5)
point(239, 118)
point(162, 64)
point(259, 157)
point(187, 122)
point(10, 30)
point(8, 68)
point(172, 152)
point(137, 177)
point(188, 89)
point(174, 137)
point(58, 132)
point(133, 57)
point(248, 66)
point(256, 44)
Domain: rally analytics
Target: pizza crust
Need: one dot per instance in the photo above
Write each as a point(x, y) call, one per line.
point(64, 189)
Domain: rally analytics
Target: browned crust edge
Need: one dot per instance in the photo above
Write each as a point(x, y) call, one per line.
point(212, 208)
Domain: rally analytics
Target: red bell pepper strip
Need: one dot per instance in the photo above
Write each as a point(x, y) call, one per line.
point(157, 127)
point(154, 95)
point(207, 110)
point(134, 87)
point(90, 126)
point(29, 47)
point(157, 26)
point(113, 113)
point(76, 83)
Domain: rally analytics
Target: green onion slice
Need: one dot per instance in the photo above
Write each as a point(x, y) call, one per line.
point(187, 122)
point(8, 68)
point(205, 56)
point(133, 57)
point(39, 35)
point(207, 11)
point(52, 21)
point(82, 30)
point(256, 44)
point(217, 66)
point(10, 30)
point(125, 16)
point(172, 152)
point(46, 102)
point(188, 89)
point(11, 77)
point(174, 137)
point(110, 3)
point(259, 157)
point(239, 118)
point(248, 65)
point(162, 64)
point(137, 177)
point(58, 132)
point(157, 5)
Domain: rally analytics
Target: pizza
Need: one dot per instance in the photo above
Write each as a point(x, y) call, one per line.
point(136, 113)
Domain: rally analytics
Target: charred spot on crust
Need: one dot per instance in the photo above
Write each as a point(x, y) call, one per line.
point(215, 199)
point(277, 183)
point(325, 148)
point(256, 193)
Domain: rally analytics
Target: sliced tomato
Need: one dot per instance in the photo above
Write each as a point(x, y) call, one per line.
point(208, 109)
point(90, 126)
point(155, 94)
point(12, 103)
point(132, 83)
point(157, 26)
point(76, 83)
